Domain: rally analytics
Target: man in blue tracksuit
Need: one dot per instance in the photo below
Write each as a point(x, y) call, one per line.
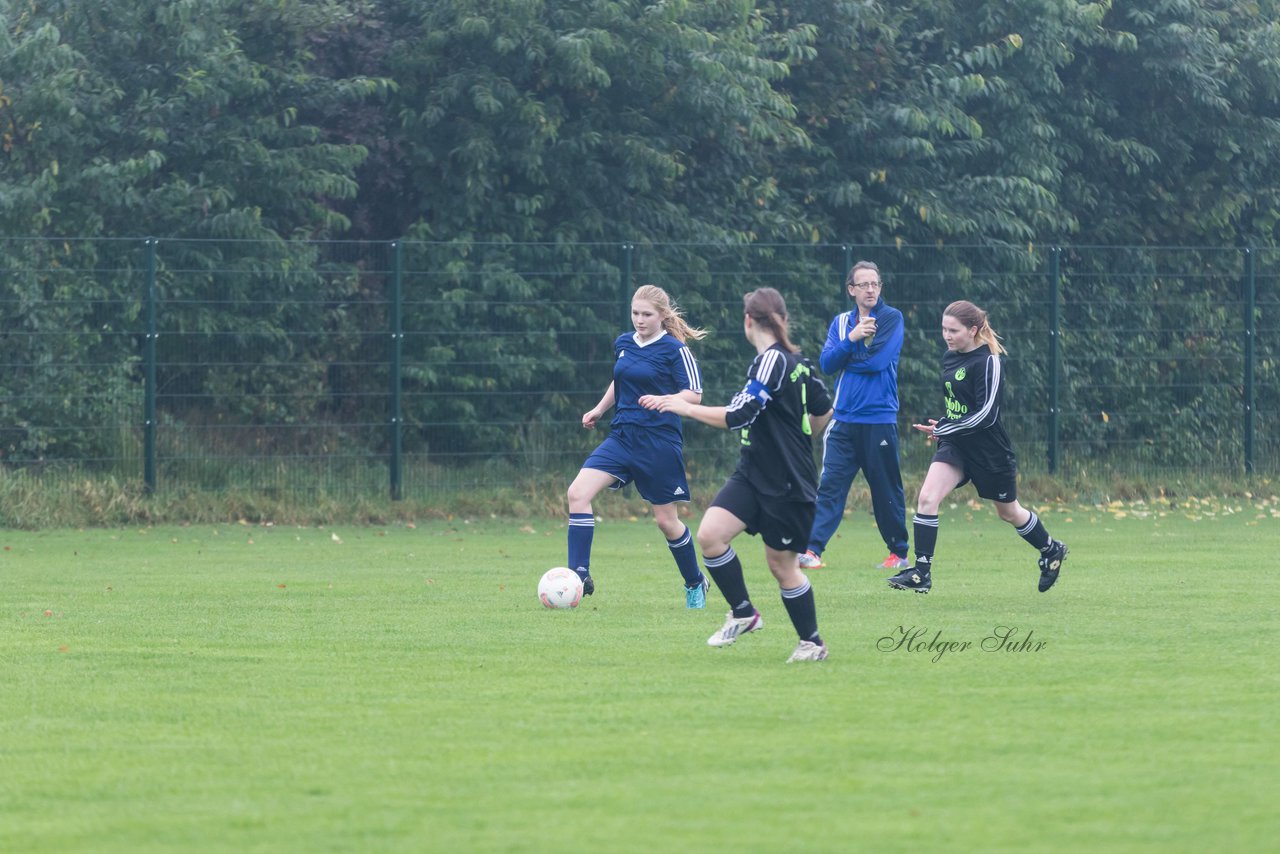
point(862, 348)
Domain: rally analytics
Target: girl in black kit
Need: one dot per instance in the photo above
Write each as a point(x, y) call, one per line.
point(972, 446)
point(773, 490)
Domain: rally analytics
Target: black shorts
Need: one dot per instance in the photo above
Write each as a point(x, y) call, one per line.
point(783, 525)
point(999, 485)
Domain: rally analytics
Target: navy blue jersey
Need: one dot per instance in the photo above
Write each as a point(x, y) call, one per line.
point(777, 442)
point(972, 384)
point(661, 365)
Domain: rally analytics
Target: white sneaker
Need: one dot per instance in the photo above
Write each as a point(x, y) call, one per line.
point(808, 651)
point(809, 560)
point(734, 626)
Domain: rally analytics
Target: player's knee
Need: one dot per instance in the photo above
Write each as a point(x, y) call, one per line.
point(1011, 513)
point(928, 503)
point(670, 526)
point(578, 497)
point(711, 543)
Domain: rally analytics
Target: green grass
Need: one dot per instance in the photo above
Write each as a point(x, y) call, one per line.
point(245, 688)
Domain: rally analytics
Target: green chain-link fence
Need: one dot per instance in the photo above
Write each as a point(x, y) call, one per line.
point(420, 369)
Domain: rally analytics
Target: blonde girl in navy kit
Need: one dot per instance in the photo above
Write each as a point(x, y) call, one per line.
point(643, 447)
point(972, 446)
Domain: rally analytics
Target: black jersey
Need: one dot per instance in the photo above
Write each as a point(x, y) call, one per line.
point(777, 442)
point(973, 387)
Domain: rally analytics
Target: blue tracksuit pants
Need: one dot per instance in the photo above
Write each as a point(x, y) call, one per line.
point(873, 450)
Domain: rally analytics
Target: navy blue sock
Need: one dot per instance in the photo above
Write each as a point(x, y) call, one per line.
point(582, 528)
point(686, 558)
point(726, 570)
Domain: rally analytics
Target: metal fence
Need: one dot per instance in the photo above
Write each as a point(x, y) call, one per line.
point(420, 369)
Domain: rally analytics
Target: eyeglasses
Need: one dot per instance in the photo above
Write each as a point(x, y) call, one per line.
point(862, 286)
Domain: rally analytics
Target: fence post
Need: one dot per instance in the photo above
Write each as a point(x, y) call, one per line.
point(149, 366)
point(1250, 355)
point(628, 251)
point(1055, 334)
point(395, 353)
point(848, 251)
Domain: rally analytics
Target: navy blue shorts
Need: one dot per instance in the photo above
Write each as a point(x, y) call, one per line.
point(783, 525)
point(651, 459)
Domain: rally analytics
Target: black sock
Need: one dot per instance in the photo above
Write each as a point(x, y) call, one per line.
point(925, 535)
point(803, 612)
point(1034, 533)
point(726, 571)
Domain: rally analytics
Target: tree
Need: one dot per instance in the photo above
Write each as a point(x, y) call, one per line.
point(125, 113)
point(182, 120)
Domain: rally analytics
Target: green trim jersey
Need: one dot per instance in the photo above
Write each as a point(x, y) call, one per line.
point(782, 389)
point(973, 385)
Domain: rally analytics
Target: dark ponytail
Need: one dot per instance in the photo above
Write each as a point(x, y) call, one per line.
point(766, 307)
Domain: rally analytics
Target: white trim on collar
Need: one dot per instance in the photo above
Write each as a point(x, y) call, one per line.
point(635, 336)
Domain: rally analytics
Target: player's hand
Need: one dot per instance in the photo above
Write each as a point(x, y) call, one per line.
point(863, 329)
point(665, 403)
point(926, 429)
point(589, 419)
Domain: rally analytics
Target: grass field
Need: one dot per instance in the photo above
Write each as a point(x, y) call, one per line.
point(400, 689)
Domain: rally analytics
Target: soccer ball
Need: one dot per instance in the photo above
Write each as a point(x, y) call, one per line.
point(560, 588)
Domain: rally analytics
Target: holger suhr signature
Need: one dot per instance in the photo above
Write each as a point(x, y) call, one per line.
point(921, 640)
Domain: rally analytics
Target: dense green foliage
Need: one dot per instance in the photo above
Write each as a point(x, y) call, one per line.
point(525, 120)
point(543, 157)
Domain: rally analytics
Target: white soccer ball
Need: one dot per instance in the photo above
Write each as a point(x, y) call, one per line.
point(560, 588)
